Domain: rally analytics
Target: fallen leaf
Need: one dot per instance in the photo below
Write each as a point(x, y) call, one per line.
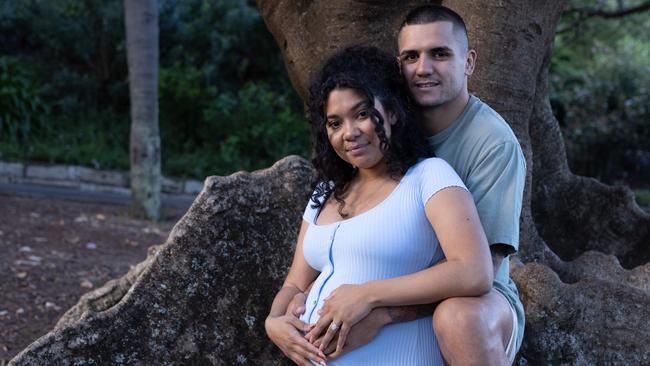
point(132, 243)
point(53, 306)
point(21, 275)
point(25, 248)
point(100, 217)
point(34, 215)
point(40, 239)
point(86, 284)
point(82, 218)
point(91, 246)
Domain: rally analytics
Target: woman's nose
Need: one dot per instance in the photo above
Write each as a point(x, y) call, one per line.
point(350, 130)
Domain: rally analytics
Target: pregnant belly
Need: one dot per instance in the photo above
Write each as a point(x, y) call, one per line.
point(409, 343)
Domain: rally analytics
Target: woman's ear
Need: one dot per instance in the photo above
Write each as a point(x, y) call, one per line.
point(392, 118)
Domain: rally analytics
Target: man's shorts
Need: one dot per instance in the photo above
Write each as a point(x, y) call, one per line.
point(511, 349)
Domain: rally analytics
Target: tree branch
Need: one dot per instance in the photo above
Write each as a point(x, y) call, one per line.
point(621, 12)
point(584, 13)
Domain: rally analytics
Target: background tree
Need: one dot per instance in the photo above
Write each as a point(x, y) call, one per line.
point(141, 20)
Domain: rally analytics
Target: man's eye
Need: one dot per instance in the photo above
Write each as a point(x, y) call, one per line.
point(440, 54)
point(409, 57)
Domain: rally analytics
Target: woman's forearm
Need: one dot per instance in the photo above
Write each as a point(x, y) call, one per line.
point(447, 279)
point(282, 300)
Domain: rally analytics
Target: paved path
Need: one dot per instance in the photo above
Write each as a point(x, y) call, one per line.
point(34, 190)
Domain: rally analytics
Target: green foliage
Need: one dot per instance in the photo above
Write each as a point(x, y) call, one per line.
point(600, 92)
point(21, 106)
point(642, 197)
point(248, 129)
point(222, 85)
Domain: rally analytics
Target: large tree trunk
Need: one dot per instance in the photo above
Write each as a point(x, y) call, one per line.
point(565, 217)
point(201, 298)
point(141, 20)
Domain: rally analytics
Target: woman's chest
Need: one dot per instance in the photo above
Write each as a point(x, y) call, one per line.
point(394, 233)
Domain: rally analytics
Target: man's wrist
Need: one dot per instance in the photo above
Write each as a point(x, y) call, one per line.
point(382, 315)
point(399, 314)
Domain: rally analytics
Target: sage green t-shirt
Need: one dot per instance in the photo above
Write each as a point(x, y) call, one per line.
point(485, 153)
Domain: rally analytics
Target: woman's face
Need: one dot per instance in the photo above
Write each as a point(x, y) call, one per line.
point(350, 128)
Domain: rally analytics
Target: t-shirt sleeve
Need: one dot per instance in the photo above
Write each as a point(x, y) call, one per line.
point(497, 185)
point(310, 212)
point(437, 174)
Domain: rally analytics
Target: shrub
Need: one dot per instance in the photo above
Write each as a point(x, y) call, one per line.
point(21, 106)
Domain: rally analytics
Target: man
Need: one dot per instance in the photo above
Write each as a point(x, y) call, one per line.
point(436, 63)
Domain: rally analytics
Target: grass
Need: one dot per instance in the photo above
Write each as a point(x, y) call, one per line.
point(642, 197)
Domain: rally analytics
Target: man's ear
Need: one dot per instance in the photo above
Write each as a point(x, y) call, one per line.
point(399, 64)
point(470, 62)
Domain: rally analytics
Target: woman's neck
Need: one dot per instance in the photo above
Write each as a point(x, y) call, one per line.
point(377, 172)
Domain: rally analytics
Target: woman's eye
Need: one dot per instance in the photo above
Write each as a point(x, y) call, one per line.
point(363, 114)
point(333, 124)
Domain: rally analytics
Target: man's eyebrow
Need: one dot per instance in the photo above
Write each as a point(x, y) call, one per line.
point(435, 49)
point(441, 48)
point(407, 51)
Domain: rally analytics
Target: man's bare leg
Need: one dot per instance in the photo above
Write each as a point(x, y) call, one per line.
point(474, 330)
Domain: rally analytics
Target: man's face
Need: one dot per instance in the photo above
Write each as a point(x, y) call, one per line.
point(435, 63)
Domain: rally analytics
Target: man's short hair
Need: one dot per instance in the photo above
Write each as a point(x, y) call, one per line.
point(426, 14)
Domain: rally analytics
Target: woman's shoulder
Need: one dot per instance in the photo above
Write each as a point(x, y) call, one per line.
point(435, 173)
point(434, 164)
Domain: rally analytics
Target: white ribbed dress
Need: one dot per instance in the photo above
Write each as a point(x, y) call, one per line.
point(391, 239)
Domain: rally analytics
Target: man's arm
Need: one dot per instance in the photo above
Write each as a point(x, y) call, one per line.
point(498, 252)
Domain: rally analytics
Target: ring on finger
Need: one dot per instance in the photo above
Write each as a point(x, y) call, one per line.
point(334, 327)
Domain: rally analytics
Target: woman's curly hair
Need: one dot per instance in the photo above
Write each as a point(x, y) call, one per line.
point(375, 75)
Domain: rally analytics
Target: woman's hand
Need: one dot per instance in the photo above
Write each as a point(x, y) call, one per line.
point(285, 332)
point(345, 307)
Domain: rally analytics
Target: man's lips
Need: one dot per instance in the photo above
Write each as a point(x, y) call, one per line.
point(426, 84)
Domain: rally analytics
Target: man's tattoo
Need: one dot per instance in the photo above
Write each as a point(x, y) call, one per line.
point(400, 314)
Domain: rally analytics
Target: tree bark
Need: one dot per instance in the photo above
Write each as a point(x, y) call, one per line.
point(141, 21)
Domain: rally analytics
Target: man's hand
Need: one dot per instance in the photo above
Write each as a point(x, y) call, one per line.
point(345, 307)
point(297, 305)
point(360, 334)
point(284, 331)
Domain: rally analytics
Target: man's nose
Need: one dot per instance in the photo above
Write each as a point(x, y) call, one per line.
point(424, 66)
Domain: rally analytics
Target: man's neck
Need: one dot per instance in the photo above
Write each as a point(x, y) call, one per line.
point(435, 119)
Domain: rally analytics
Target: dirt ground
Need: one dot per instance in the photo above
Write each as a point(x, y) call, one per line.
point(53, 251)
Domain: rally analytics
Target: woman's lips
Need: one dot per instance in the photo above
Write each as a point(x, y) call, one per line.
point(357, 149)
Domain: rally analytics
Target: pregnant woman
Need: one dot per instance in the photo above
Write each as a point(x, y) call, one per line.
point(385, 226)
